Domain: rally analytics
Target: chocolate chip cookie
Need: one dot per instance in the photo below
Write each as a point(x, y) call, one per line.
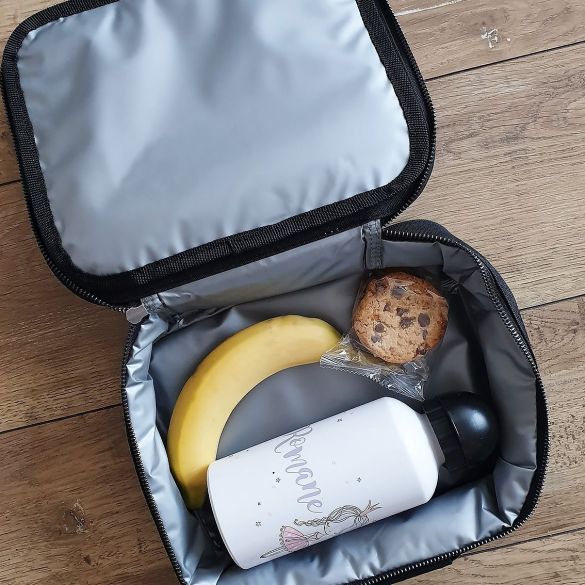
point(399, 317)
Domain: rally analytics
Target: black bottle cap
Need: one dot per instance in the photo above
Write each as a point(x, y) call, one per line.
point(466, 427)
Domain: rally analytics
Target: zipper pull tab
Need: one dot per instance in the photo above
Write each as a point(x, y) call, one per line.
point(136, 314)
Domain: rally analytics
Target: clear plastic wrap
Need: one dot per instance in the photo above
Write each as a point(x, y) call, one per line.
point(401, 317)
point(406, 379)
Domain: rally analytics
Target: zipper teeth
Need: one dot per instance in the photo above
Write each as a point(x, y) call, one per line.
point(132, 334)
point(393, 21)
point(65, 280)
point(541, 469)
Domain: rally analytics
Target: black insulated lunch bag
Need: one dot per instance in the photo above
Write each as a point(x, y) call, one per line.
point(205, 165)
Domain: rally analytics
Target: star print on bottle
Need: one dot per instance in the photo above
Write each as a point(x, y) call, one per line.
point(291, 539)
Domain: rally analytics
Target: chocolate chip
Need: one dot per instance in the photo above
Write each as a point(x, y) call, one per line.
point(425, 333)
point(401, 311)
point(422, 350)
point(387, 307)
point(406, 322)
point(379, 328)
point(398, 291)
point(380, 285)
point(376, 338)
point(423, 319)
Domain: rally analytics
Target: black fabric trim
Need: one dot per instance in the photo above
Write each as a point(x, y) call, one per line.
point(238, 249)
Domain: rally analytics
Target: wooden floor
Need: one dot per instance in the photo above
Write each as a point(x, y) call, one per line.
point(508, 83)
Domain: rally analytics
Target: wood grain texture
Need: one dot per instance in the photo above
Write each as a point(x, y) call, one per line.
point(72, 512)
point(57, 473)
point(508, 178)
point(58, 354)
point(452, 35)
point(8, 164)
point(557, 560)
point(510, 170)
point(12, 13)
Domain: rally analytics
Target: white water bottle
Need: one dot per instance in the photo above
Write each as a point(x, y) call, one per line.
point(341, 473)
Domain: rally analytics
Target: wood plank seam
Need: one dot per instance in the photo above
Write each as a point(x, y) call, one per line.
point(426, 8)
point(464, 70)
point(10, 182)
point(61, 418)
point(553, 302)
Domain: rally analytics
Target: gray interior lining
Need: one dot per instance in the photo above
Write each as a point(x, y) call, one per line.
point(167, 124)
point(325, 260)
point(477, 353)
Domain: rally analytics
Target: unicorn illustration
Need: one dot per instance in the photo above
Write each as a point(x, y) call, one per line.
point(292, 539)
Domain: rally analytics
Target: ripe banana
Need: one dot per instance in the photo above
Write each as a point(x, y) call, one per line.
point(223, 378)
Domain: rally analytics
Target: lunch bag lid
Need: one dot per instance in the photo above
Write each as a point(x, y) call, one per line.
point(161, 141)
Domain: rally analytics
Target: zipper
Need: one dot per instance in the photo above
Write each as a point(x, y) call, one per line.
point(134, 315)
point(440, 560)
point(540, 473)
point(132, 334)
point(399, 41)
point(64, 280)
